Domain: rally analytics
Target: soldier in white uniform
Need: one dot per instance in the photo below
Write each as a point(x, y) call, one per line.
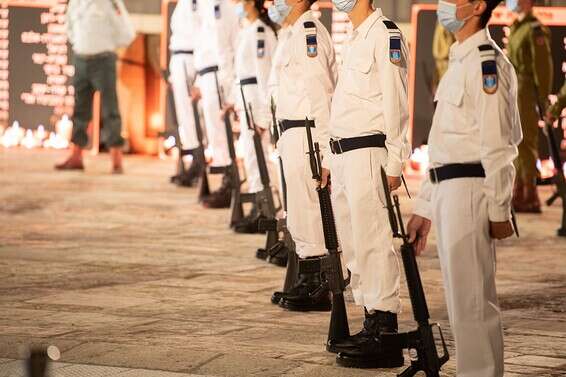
point(214, 55)
point(306, 83)
point(467, 195)
point(256, 44)
point(184, 29)
point(95, 30)
point(368, 128)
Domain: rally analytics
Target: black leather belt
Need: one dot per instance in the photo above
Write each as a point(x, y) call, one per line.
point(249, 81)
point(286, 124)
point(206, 70)
point(182, 52)
point(452, 171)
point(359, 142)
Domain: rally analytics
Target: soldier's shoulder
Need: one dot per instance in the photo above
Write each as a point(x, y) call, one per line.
point(491, 66)
point(538, 28)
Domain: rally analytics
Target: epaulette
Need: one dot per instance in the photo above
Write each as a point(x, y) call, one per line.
point(217, 12)
point(260, 42)
point(395, 55)
point(310, 35)
point(490, 80)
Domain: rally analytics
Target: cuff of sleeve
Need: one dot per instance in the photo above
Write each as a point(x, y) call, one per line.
point(498, 213)
point(422, 208)
point(394, 168)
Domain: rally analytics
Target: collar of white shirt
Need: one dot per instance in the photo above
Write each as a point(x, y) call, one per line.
point(461, 50)
point(365, 27)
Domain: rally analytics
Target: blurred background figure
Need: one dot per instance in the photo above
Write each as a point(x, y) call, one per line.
point(96, 29)
point(530, 53)
point(182, 75)
point(554, 111)
point(255, 48)
point(441, 43)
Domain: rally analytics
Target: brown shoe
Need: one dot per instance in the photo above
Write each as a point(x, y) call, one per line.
point(70, 164)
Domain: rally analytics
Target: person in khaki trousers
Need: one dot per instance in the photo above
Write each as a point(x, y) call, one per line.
point(96, 28)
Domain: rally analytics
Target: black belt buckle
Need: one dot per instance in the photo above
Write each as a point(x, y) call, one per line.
point(433, 175)
point(333, 144)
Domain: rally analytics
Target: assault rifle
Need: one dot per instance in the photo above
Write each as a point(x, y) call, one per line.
point(422, 339)
point(238, 198)
point(264, 198)
point(331, 264)
point(198, 153)
point(277, 250)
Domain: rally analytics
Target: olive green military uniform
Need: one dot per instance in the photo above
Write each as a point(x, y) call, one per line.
point(441, 43)
point(530, 54)
point(556, 109)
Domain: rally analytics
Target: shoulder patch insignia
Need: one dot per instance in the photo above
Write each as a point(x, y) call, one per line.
point(260, 42)
point(395, 49)
point(310, 35)
point(217, 13)
point(490, 80)
point(195, 6)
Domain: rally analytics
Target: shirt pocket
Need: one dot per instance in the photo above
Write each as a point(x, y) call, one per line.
point(360, 78)
point(454, 117)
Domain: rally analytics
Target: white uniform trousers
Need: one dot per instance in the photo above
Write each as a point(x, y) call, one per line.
point(181, 69)
point(215, 129)
point(246, 139)
point(363, 228)
point(303, 209)
point(467, 259)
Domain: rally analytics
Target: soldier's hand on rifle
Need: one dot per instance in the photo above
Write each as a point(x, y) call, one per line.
point(195, 94)
point(418, 229)
point(549, 117)
point(394, 183)
point(325, 178)
point(227, 109)
point(501, 230)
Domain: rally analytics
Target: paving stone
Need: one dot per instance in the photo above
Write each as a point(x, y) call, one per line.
point(129, 276)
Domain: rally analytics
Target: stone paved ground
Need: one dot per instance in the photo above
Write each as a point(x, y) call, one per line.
point(129, 277)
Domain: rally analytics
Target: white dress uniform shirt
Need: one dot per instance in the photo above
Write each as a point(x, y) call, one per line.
point(371, 95)
point(277, 62)
point(184, 26)
point(249, 64)
point(227, 25)
point(470, 125)
point(205, 47)
point(311, 96)
point(97, 26)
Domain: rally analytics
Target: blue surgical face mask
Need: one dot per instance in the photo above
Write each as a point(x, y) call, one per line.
point(446, 13)
point(274, 15)
point(240, 11)
point(282, 8)
point(513, 5)
point(344, 5)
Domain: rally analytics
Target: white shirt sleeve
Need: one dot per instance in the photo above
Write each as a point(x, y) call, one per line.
point(393, 82)
point(500, 133)
point(263, 68)
point(320, 81)
point(124, 30)
point(227, 30)
point(422, 205)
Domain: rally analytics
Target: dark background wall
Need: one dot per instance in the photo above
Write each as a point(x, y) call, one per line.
point(399, 10)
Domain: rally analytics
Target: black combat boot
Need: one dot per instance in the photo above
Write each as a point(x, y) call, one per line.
point(278, 254)
point(222, 197)
point(307, 294)
point(250, 223)
point(198, 166)
point(365, 349)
